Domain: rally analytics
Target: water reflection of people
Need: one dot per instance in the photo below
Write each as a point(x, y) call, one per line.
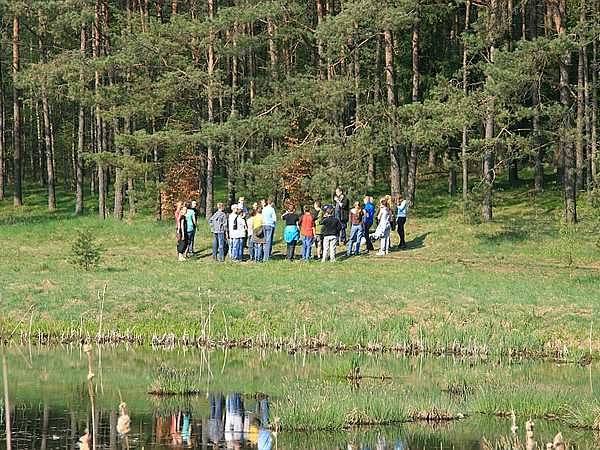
point(234, 420)
point(228, 422)
point(215, 421)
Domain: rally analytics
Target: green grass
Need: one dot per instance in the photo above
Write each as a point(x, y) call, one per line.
point(520, 285)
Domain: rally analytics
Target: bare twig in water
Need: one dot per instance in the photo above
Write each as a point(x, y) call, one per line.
point(101, 298)
point(6, 404)
point(87, 349)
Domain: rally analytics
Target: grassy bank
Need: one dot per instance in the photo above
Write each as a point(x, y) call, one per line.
point(521, 285)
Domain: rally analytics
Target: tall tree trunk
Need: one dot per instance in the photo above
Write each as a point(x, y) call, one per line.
point(416, 83)
point(2, 134)
point(587, 120)
point(17, 119)
point(580, 134)
point(489, 153)
point(539, 152)
point(80, 134)
point(210, 158)
point(99, 126)
point(47, 131)
point(594, 110)
point(272, 48)
point(320, 48)
point(465, 86)
point(558, 15)
point(49, 153)
point(391, 101)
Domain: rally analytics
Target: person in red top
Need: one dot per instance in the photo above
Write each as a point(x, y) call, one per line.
point(356, 230)
point(307, 233)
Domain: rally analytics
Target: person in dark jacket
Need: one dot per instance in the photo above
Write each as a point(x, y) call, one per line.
point(182, 242)
point(331, 227)
point(342, 212)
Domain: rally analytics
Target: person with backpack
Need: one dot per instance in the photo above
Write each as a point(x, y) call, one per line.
point(331, 230)
point(291, 232)
point(307, 233)
point(356, 230)
point(218, 227)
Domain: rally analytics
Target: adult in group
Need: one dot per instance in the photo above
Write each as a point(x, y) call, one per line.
point(250, 231)
point(368, 220)
point(401, 216)
point(383, 227)
point(307, 233)
point(258, 234)
point(190, 217)
point(342, 212)
point(178, 207)
point(331, 231)
point(218, 226)
point(356, 230)
point(318, 217)
point(230, 220)
point(182, 243)
point(269, 223)
point(237, 233)
point(291, 232)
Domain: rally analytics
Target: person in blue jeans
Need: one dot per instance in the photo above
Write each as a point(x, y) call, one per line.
point(368, 219)
point(269, 223)
point(190, 217)
point(218, 226)
point(307, 232)
point(401, 216)
point(356, 229)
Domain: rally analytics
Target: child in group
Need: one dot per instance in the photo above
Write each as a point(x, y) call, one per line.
point(307, 233)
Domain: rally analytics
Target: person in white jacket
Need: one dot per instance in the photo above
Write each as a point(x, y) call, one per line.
point(237, 233)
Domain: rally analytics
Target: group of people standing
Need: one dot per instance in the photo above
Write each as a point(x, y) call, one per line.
point(319, 229)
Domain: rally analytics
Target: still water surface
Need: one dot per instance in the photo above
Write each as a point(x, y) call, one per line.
point(233, 407)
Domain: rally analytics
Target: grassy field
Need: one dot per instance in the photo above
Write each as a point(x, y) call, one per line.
point(522, 284)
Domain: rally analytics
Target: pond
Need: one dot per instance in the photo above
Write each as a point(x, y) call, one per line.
point(245, 399)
